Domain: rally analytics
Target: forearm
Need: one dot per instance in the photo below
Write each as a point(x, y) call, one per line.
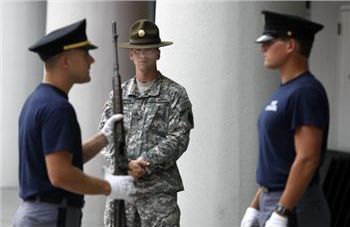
point(169, 149)
point(300, 176)
point(255, 201)
point(93, 146)
point(74, 180)
point(166, 152)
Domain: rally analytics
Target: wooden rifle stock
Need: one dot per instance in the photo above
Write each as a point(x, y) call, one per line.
point(120, 156)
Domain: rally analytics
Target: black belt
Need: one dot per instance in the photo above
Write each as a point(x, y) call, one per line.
point(59, 200)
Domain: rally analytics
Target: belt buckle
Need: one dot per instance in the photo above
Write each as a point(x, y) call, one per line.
point(264, 189)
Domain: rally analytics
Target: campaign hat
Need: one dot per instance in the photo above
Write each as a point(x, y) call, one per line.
point(66, 38)
point(278, 25)
point(144, 34)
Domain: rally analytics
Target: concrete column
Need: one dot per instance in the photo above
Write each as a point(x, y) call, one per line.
point(22, 24)
point(1, 92)
point(215, 58)
point(89, 99)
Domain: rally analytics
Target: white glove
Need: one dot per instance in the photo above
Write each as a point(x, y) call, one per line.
point(107, 129)
point(276, 220)
point(250, 218)
point(122, 187)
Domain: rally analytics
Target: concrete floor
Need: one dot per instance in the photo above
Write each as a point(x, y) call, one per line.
point(9, 201)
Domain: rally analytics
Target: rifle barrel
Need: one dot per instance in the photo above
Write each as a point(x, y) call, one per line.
point(121, 162)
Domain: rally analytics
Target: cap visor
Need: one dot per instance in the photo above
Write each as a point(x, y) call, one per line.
point(264, 38)
point(91, 47)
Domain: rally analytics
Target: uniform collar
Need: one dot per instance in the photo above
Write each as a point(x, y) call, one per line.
point(56, 89)
point(153, 91)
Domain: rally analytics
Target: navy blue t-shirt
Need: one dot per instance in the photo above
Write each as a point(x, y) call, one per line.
point(47, 124)
point(299, 102)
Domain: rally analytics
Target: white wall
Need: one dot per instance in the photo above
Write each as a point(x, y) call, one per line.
point(1, 89)
point(1, 98)
point(22, 25)
point(214, 56)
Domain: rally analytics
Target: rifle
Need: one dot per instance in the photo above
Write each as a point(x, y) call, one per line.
point(120, 156)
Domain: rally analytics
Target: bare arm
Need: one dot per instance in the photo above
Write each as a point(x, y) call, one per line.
point(255, 201)
point(308, 142)
point(64, 175)
point(93, 146)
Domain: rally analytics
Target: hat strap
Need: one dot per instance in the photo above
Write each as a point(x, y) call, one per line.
point(144, 41)
point(76, 45)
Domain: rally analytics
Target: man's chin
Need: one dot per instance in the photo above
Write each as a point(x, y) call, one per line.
point(84, 81)
point(269, 66)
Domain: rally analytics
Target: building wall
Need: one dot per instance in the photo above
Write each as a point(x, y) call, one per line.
point(22, 23)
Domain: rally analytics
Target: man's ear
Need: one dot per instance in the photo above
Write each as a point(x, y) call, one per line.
point(130, 55)
point(292, 45)
point(64, 61)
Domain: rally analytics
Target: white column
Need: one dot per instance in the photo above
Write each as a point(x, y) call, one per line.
point(1, 92)
point(89, 99)
point(1, 100)
point(22, 24)
point(215, 58)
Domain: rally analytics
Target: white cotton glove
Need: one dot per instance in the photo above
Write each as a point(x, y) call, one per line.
point(108, 128)
point(122, 187)
point(250, 218)
point(276, 220)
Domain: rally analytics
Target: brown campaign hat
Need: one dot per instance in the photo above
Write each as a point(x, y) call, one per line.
point(144, 34)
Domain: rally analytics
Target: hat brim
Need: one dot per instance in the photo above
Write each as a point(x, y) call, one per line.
point(264, 38)
point(90, 47)
point(144, 46)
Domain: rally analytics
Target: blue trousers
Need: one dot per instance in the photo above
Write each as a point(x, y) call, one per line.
point(39, 214)
point(311, 210)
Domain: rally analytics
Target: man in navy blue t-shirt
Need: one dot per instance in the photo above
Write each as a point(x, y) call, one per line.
point(51, 155)
point(293, 131)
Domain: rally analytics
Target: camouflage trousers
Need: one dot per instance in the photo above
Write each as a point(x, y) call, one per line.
point(151, 210)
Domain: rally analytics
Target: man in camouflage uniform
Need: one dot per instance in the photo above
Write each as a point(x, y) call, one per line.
point(157, 120)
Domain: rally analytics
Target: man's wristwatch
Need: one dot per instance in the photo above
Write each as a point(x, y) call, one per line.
point(283, 211)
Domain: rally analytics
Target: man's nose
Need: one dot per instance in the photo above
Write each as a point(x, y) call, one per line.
point(263, 47)
point(92, 60)
point(143, 52)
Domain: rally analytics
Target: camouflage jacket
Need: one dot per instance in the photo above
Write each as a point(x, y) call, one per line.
point(157, 127)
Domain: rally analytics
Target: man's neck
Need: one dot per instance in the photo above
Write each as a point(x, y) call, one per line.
point(293, 70)
point(146, 76)
point(58, 81)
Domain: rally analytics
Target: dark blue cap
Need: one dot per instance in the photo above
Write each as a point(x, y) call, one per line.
point(279, 25)
point(65, 38)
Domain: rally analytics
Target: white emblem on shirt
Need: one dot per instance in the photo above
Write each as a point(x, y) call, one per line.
point(272, 106)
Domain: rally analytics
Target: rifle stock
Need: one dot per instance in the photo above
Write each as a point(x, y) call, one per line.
point(120, 156)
